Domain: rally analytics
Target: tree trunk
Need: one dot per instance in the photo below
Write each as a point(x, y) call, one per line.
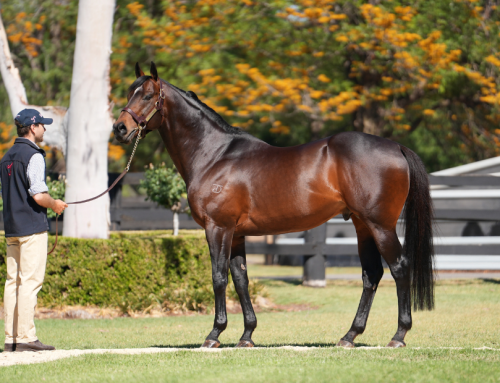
point(89, 122)
point(370, 120)
point(55, 135)
point(176, 223)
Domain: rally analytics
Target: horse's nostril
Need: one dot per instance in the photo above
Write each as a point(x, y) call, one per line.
point(120, 127)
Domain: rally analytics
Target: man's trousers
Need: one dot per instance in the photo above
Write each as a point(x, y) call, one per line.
point(26, 261)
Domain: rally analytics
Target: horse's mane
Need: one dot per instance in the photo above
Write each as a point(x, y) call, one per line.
point(212, 114)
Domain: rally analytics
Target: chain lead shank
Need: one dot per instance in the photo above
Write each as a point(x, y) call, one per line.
point(140, 128)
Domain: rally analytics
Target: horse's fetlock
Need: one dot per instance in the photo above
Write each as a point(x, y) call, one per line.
point(405, 322)
point(251, 324)
point(358, 329)
point(220, 324)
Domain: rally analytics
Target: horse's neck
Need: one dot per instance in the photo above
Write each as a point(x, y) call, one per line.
point(193, 145)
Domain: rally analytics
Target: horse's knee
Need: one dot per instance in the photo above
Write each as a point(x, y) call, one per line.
point(220, 284)
point(240, 278)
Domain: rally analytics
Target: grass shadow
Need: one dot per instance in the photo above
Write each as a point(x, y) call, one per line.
point(281, 281)
point(316, 344)
point(186, 346)
point(271, 346)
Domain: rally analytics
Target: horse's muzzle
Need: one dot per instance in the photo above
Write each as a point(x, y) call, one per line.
point(120, 131)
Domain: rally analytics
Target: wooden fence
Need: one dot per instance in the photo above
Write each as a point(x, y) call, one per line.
point(472, 252)
point(137, 214)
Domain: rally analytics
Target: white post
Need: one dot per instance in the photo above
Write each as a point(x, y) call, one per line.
point(90, 122)
point(176, 223)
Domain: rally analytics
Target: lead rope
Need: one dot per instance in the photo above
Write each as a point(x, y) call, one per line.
point(127, 168)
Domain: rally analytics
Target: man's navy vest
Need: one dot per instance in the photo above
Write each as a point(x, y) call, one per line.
point(21, 214)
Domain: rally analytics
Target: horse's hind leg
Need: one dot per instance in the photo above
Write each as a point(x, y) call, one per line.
point(238, 266)
point(389, 246)
point(373, 271)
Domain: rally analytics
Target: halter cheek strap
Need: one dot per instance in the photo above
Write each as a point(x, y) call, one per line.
point(143, 121)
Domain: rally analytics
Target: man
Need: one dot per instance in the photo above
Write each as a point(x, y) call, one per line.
point(26, 199)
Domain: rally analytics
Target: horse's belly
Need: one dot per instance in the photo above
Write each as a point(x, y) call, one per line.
point(289, 216)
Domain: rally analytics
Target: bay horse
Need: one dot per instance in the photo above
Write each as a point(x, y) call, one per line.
point(240, 186)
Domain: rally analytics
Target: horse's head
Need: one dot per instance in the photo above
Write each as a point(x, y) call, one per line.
point(144, 108)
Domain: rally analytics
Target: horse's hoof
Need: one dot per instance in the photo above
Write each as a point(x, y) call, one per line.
point(396, 344)
point(210, 344)
point(345, 344)
point(245, 344)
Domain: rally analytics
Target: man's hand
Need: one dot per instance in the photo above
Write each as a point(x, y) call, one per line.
point(45, 200)
point(59, 206)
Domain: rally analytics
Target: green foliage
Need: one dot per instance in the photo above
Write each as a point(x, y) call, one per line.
point(57, 188)
point(426, 73)
point(165, 186)
point(132, 272)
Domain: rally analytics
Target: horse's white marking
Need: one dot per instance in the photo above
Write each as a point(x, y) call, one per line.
point(216, 188)
point(138, 89)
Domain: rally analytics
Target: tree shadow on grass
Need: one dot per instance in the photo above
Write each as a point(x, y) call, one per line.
point(490, 280)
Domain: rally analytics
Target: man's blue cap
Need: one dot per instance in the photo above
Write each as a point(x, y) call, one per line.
point(27, 117)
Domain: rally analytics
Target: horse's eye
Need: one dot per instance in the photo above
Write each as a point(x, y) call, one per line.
point(148, 97)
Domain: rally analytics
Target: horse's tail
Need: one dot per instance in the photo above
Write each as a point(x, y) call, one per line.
point(419, 247)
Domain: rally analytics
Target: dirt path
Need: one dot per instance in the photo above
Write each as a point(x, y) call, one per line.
point(14, 358)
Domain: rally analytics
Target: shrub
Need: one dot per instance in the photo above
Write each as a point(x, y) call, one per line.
point(57, 189)
point(132, 271)
point(166, 187)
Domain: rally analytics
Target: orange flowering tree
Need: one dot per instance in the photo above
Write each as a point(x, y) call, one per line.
point(424, 74)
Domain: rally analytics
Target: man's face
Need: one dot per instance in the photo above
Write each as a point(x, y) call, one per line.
point(38, 130)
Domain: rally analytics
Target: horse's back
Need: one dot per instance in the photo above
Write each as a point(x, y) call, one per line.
point(266, 189)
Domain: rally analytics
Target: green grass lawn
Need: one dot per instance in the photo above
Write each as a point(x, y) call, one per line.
point(282, 271)
point(467, 315)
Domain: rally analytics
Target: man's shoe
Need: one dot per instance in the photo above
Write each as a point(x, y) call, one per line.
point(33, 346)
point(9, 347)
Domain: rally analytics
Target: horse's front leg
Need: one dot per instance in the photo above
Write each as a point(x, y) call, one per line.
point(238, 265)
point(219, 241)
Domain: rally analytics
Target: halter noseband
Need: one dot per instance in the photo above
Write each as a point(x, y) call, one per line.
point(142, 121)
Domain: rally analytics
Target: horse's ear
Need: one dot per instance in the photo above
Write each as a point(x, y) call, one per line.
point(154, 72)
point(138, 71)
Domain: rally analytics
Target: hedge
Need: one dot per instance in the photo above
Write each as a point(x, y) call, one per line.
point(130, 271)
